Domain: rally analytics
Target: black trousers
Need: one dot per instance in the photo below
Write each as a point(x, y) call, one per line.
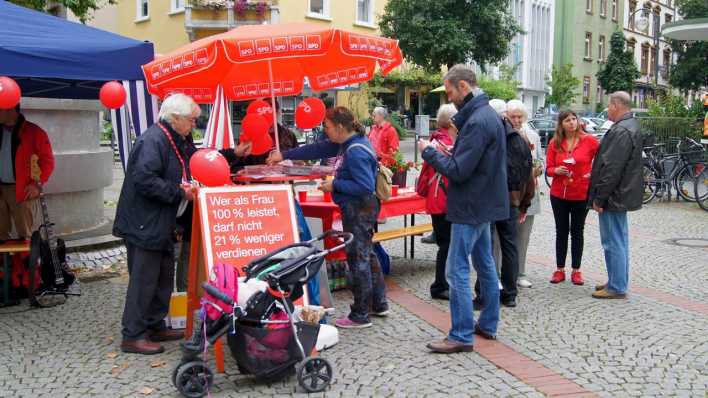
point(570, 219)
point(441, 229)
point(506, 230)
point(149, 289)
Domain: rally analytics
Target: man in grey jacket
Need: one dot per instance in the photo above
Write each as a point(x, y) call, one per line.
point(616, 187)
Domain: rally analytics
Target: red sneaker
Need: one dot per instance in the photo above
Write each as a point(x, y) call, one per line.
point(577, 278)
point(558, 277)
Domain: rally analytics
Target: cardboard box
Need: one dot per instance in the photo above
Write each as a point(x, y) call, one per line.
point(178, 310)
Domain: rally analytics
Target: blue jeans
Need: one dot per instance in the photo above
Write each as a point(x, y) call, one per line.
point(475, 240)
point(615, 242)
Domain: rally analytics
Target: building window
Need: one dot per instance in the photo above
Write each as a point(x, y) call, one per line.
point(588, 6)
point(319, 8)
point(588, 45)
point(630, 14)
point(598, 93)
point(645, 59)
point(668, 18)
point(614, 10)
point(603, 8)
point(668, 3)
point(176, 6)
point(365, 12)
point(647, 12)
point(142, 10)
point(667, 64)
point(586, 90)
point(631, 43)
point(654, 60)
point(601, 48)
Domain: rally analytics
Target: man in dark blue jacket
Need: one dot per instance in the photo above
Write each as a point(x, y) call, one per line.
point(477, 196)
point(155, 187)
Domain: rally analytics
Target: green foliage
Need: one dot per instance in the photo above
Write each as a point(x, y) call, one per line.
point(397, 124)
point(81, 8)
point(620, 71)
point(564, 86)
point(414, 77)
point(669, 105)
point(691, 69)
point(107, 132)
point(400, 164)
point(502, 89)
point(446, 32)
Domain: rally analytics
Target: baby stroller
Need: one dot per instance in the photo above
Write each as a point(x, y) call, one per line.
point(263, 335)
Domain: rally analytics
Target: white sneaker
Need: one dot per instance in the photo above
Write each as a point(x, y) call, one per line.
point(500, 286)
point(524, 283)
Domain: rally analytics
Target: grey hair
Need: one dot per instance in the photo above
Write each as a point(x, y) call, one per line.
point(516, 105)
point(445, 114)
point(622, 99)
point(177, 104)
point(498, 105)
point(380, 110)
point(461, 73)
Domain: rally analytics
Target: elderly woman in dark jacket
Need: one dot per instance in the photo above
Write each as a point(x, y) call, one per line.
point(155, 188)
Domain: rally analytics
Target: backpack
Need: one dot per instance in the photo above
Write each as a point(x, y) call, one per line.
point(225, 278)
point(519, 165)
point(383, 175)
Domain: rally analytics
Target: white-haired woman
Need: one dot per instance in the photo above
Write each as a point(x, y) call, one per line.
point(517, 114)
point(433, 186)
point(383, 136)
point(156, 183)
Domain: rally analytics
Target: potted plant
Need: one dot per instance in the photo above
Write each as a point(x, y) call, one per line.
point(400, 169)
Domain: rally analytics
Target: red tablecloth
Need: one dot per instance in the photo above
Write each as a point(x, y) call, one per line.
point(279, 178)
point(401, 205)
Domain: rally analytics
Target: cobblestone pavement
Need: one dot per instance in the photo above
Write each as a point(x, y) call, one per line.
point(642, 346)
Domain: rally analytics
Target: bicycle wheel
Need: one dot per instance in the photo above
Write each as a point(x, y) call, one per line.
point(700, 186)
point(650, 185)
point(684, 181)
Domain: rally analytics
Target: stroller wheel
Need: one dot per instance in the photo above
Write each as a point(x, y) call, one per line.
point(315, 374)
point(193, 379)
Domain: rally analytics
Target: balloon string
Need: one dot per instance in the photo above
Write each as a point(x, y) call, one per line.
point(272, 99)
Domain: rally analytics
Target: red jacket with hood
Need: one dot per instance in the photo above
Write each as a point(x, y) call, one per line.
point(432, 185)
point(29, 139)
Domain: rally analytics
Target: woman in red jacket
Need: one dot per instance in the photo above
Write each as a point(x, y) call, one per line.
point(433, 186)
point(569, 160)
point(383, 137)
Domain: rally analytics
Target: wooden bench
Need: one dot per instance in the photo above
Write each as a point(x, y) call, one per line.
point(403, 233)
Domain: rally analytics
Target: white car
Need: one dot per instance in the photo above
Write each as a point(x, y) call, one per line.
point(590, 126)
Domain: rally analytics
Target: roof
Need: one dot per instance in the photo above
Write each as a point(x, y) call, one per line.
point(55, 58)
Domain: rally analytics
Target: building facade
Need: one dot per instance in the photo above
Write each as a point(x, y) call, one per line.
point(582, 36)
point(652, 54)
point(531, 53)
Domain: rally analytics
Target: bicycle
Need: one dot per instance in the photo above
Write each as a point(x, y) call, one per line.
point(662, 172)
point(700, 185)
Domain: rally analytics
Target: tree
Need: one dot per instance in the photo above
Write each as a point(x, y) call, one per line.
point(620, 71)
point(691, 69)
point(81, 8)
point(447, 32)
point(563, 84)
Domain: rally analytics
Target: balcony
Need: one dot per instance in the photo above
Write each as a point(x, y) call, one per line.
point(207, 17)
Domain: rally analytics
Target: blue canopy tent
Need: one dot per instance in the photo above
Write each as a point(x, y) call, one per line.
point(51, 57)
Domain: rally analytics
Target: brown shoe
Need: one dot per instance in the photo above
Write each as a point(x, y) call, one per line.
point(481, 333)
point(166, 335)
point(447, 346)
point(142, 346)
point(605, 294)
point(600, 287)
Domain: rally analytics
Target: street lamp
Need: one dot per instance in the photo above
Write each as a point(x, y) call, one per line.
point(642, 23)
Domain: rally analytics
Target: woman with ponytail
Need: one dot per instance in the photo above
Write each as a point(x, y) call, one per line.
point(353, 190)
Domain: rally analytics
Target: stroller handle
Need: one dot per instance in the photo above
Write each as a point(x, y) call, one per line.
point(347, 236)
point(217, 293)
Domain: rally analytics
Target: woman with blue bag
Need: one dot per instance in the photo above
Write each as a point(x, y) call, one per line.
point(353, 190)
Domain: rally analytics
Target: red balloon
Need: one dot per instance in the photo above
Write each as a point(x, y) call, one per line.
point(260, 144)
point(309, 113)
point(261, 108)
point(9, 93)
point(112, 95)
point(210, 168)
point(254, 125)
